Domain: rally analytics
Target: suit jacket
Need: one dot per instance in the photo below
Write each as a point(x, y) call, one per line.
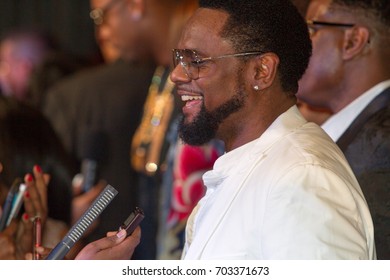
point(107, 99)
point(366, 145)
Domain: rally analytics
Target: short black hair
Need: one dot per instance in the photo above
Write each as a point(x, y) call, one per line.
point(377, 9)
point(268, 26)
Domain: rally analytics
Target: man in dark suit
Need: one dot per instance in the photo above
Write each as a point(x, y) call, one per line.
point(349, 74)
point(108, 101)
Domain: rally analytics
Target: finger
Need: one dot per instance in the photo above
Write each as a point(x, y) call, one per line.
point(41, 181)
point(126, 248)
point(10, 230)
point(32, 201)
point(28, 256)
point(111, 233)
point(27, 223)
point(137, 233)
point(43, 251)
point(104, 248)
point(7, 244)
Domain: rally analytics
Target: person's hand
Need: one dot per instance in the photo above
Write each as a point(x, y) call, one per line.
point(35, 197)
point(35, 204)
point(42, 251)
point(7, 245)
point(115, 246)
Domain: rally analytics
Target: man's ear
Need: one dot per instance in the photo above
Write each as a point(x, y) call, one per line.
point(137, 9)
point(265, 69)
point(356, 40)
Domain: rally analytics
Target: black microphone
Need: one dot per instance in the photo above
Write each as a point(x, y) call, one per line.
point(75, 233)
point(95, 146)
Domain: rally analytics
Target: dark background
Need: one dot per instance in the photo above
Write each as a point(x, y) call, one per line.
point(67, 20)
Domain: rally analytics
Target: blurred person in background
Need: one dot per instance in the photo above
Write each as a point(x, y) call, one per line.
point(28, 142)
point(349, 75)
point(30, 62)
point(313, 114)
point(169, 173)
point(21, 51)
point(109, 99)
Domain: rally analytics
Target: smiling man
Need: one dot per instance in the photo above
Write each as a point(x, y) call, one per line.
point(282, 190)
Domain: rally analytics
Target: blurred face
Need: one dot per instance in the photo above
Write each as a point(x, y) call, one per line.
point(113, 26)
point(214, 99)
point(14, 71)
point(321, 82)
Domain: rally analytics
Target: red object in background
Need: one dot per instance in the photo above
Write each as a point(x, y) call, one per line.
point(190, 164)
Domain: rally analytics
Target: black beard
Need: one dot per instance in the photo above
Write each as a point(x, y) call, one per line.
point(205, 125)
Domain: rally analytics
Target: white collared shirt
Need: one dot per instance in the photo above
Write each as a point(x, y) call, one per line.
point(338, 123)
point(289, 194)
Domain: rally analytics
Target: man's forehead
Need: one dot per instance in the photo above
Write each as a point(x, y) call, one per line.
point(99, 3)
point(204, 26)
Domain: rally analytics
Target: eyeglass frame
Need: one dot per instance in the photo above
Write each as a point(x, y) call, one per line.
point(97, 15)
point(204, 59)
point(311, 23)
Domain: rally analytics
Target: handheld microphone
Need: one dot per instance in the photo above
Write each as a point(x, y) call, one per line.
point(93, 152)
point(78, 229)
point(17, 203)
point(8, 203)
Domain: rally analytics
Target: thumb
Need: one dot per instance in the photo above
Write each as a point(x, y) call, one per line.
point(91, 251)
point(10, 230)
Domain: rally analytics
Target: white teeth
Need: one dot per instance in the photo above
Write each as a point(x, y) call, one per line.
point(190, 97)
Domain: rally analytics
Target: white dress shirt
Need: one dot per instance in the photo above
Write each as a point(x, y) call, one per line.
point(289, 194)
point(338, 123)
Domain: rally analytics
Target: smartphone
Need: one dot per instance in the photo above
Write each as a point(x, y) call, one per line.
point(133, 221)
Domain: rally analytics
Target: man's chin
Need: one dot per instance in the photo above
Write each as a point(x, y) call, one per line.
point(193, 136)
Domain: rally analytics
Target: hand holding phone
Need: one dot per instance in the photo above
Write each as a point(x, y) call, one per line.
point(134, 219)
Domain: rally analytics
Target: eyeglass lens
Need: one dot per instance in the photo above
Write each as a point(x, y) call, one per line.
point(188, 59)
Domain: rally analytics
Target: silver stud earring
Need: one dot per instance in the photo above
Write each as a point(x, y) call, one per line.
point(256, 88)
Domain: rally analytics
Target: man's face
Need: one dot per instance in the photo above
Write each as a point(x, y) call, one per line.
point(319, 84)
point(114, 26)
point(214, 100)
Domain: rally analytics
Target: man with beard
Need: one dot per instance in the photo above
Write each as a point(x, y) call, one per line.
point(283, 189)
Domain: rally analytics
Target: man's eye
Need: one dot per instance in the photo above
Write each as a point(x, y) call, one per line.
point(198, 63)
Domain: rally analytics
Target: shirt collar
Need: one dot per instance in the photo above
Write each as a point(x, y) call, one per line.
point(239, 159)
point(338, 123)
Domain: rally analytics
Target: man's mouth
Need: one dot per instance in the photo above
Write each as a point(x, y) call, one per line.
point(193, 104)
point(186, 98)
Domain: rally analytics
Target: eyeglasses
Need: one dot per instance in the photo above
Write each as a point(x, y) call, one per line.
point(97, 15)
point(196, 66)
point(312, 23)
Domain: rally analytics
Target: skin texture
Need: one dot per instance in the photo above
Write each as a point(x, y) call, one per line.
point(345, 62)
